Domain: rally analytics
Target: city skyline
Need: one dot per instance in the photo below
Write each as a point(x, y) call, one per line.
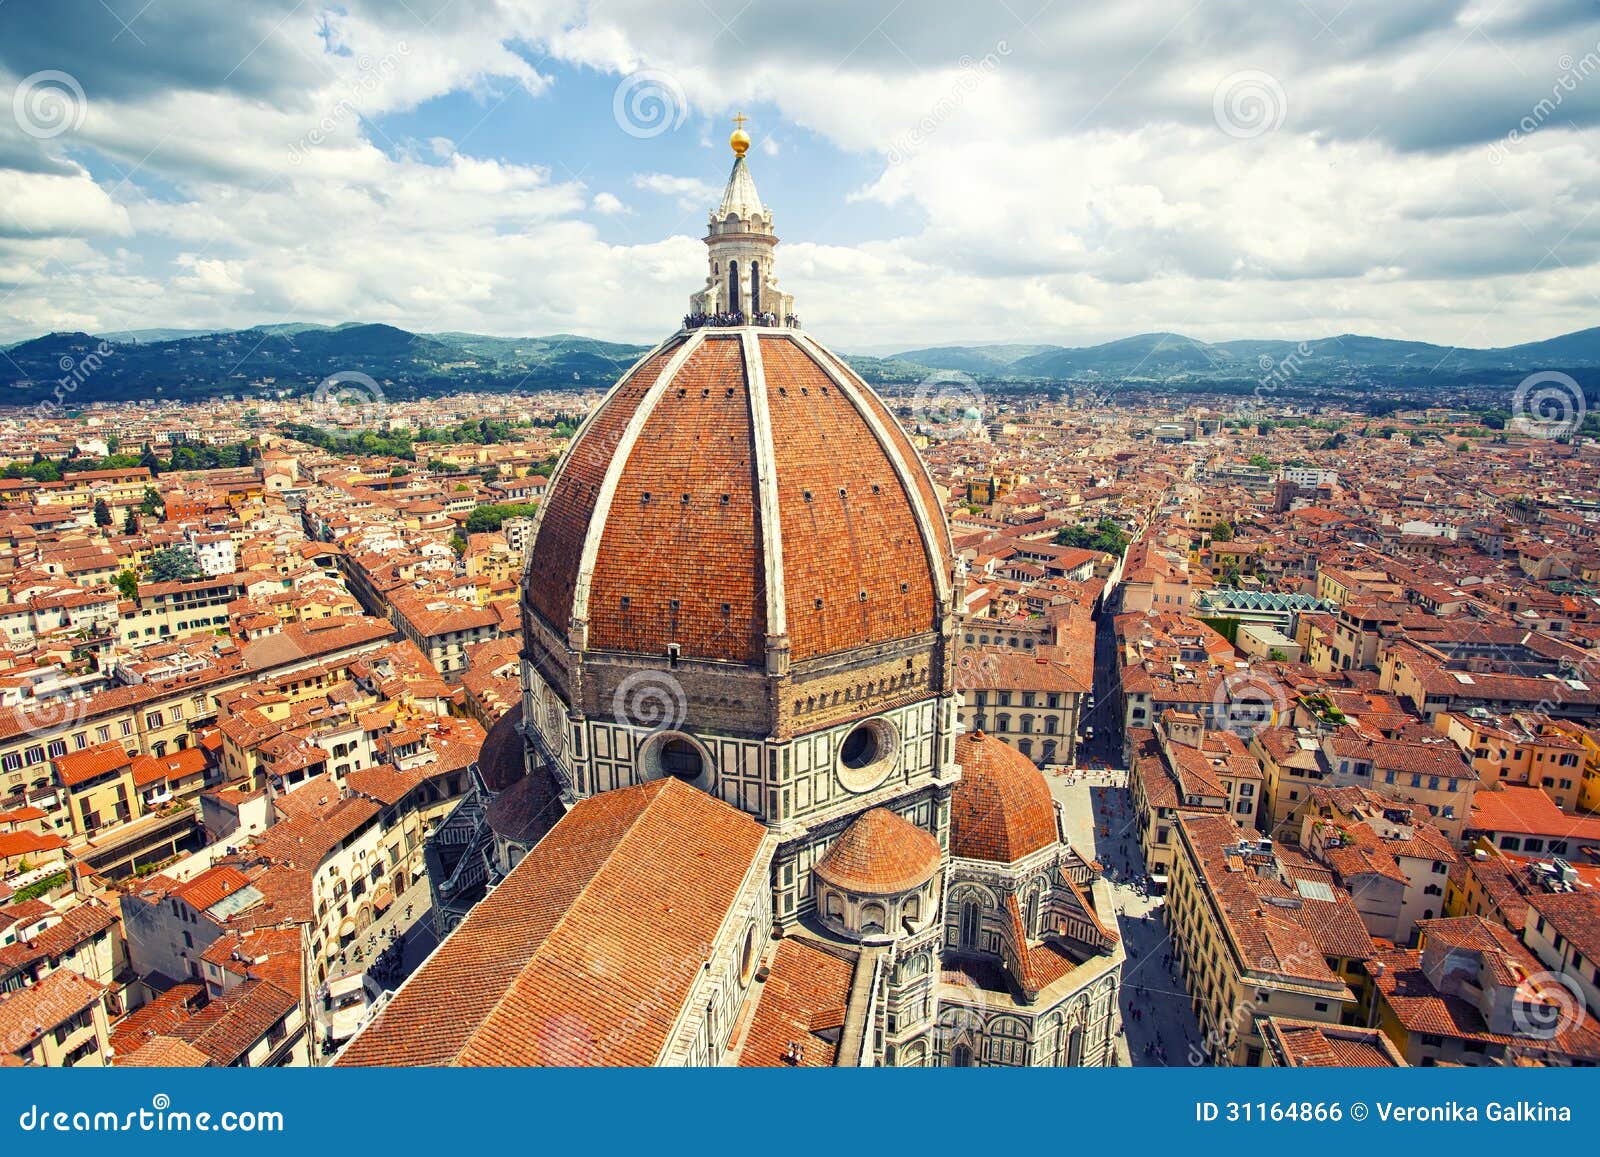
point(378, 699)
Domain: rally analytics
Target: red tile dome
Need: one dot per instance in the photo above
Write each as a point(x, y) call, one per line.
point(737, 484)
point(880, 854)
point(1002, 809)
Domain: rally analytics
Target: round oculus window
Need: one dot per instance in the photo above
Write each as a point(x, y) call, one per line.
point(867, 754)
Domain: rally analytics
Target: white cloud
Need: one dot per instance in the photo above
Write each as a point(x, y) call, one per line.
point(1060, 181)
point(690, 193)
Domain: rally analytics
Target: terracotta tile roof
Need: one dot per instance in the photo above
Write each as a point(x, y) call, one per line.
point(1574, 915)
point(1276, 930)
point(155, 1017)
point(13, 844)
point(838, 547)
point(684, 565)
point(228, 1026)
point(27, 1014)
point(569, 503)
point(211, 886)
point(1402, 976)
point(261, 953)
point(805, 985)
point(1528, 811)
point(164, 1052)
point(189, 762)
point(80, 766)
point(902, 443)
point(59, 938)
point(585, 952)
point(1312, 1044)
point(501, 758)
point(680, 558)
point(881, 853)
point(1002, 809)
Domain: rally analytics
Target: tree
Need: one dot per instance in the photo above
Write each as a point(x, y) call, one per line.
point(174, 564)
point(130, 524)
point(1105, 536)
point(1277, 655)
point(489, 517)
point(1222, 532)
point(457, 543)
point(102, 513)
point(1261, 462)
point(128, 584)
point(151, 502)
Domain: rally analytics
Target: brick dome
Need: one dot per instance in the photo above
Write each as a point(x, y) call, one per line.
point(880, 854)
point(1002, 809)
point(739, 489)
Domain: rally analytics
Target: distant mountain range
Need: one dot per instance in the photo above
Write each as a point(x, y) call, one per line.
point(295, 357)
point(1159, 355)
point(188, 364)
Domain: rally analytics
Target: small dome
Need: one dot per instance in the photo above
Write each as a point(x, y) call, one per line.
point(880, 854)
point(1001, 809)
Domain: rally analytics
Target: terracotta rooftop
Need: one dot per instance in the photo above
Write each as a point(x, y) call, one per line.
point(677, 546)
point(880, 853)
point(1002, 809)
point(585, 952)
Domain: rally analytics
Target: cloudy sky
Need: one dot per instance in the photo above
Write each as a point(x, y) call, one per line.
point(970, 170)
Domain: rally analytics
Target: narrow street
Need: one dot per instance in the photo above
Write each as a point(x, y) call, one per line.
point(1097, 810)
point(1158, 1023)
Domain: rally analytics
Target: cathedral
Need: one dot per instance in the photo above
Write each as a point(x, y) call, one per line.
point(735, 821)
